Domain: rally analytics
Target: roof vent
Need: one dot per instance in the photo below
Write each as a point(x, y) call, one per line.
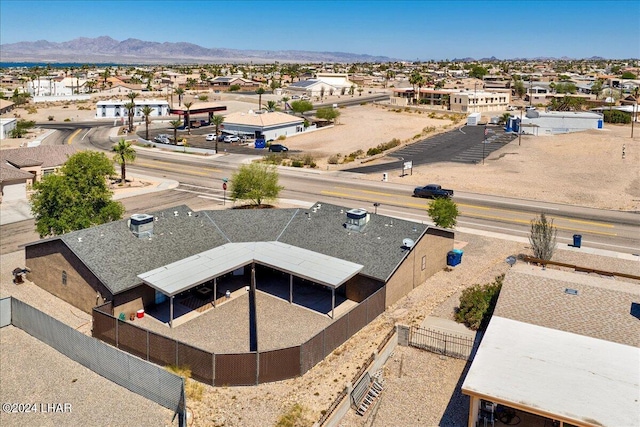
point(570, 291)
point(141, 225)
point(357, 219)
point(407, 243)
point(175, 213)
point(189, 213)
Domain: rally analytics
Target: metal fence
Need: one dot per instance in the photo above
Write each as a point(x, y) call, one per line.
point(141, 377)
point(235, 369)
point(441, 343)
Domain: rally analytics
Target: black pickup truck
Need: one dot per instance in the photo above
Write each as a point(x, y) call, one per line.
point(433, 191)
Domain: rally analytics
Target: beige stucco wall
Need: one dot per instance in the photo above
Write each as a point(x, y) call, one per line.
point(48, 260)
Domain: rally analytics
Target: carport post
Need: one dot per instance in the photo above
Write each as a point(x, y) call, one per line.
point(333, 301)
point(290, 288)
point(215, 291)
point(171, 312)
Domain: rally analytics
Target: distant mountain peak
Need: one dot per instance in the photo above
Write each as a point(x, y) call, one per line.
point(135, 51)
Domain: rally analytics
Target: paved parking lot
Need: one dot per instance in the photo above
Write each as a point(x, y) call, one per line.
point(464, 145)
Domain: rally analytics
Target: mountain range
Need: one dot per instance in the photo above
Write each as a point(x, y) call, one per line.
point(133, 51)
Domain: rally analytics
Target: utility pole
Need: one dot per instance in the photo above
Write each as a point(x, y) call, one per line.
point(520, 127)
point(634, 115)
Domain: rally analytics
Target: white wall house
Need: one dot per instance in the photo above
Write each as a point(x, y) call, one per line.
point(267, 125)
point(314, 87)
point(115, 109)
point(554, 122)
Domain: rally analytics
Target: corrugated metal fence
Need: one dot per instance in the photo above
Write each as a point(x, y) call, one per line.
point(235, 369)
point(141, 377)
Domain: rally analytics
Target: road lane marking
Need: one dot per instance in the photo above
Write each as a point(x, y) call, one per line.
point(185, 172)
point(73, 135)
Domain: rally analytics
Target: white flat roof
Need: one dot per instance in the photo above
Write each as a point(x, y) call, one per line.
point(588, 380)
point(182, 275)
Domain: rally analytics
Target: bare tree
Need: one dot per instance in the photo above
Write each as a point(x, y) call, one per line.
point(543, 237)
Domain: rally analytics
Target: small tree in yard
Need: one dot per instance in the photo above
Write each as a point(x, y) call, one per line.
point(327, 113)
point(301, 107)
point(255, 182)
point(543, 237)
point(477, 304)
point(443, 212)
point(125, 153)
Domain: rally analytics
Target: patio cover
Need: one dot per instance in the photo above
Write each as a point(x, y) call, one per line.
point(185, 274)
point(575, 377)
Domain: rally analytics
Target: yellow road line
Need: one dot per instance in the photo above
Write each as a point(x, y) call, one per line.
point(473, 215)
point(73, 135)
point(484, 208)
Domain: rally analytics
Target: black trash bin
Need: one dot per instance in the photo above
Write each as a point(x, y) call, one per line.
point(577, 240)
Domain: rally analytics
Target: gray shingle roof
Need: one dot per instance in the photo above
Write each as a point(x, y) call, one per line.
point(10, 173)
point(601, 309)
point(116, 256)
point(46, 156)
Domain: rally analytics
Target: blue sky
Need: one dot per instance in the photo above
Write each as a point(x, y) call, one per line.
point(409, 30)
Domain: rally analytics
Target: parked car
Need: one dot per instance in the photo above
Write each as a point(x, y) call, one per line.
point(278, 148)
point(295, 96)
point(162, 139)
point(305, 98)
point(210, 137)
point(231, 138)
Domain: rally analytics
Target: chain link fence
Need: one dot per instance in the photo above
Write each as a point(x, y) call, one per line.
point(139, 376)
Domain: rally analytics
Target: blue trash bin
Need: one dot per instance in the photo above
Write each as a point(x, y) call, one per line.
point(577, 240)
point(454, 258)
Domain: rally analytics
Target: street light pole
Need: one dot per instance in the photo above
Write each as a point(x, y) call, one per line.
point(520, 127)
point(634, 114)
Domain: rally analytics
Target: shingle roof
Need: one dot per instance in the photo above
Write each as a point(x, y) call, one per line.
point(10, 173)
point(601, 309)
point(116, 256)
point(46, 156)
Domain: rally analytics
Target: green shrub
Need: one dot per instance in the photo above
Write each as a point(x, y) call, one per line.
point(282, 137)
point(615, 116)
point(373, 151)
point(477, 304)
point(297, 163)
point(51, 118)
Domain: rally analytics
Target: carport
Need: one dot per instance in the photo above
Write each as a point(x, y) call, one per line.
point(180, 276)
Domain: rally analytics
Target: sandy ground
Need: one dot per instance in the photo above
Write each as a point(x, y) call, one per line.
point(584, 168)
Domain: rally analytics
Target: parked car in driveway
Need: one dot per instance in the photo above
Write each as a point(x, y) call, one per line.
point(278, 148)
point(231, 138)
point(210, 137)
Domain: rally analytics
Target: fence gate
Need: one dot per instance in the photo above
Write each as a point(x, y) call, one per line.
point(439, 342)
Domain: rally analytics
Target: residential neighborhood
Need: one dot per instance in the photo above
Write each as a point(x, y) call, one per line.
point(236, 221)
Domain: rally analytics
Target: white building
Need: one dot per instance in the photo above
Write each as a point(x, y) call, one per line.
point(554, 122)
point(6, 126)
point(115, 109)
point(313, 88)
point(52, 86)
point(267, 125)
point(479, 101)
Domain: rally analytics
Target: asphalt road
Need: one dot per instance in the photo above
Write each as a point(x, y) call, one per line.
point(465, 145)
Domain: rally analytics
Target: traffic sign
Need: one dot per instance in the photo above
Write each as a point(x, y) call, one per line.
point(224, 185)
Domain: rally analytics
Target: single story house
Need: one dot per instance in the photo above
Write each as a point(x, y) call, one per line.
point(265, 125)
point(115, 109)
point(562, 348)
point(20, 167)
point(6, 106)
point(314, 88)
point(553, 122)
point(113, 261)
point(225, 82)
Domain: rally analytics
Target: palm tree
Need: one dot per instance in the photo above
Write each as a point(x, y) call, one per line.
point(285, 99)
point(130, 106)
point(146, 111)
point(187, 120)
point(217, 121)
point(271, 105)
point(260, 91)
point(175, 124)
point(416, 79)
point(179, 92)
point(124, 153)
